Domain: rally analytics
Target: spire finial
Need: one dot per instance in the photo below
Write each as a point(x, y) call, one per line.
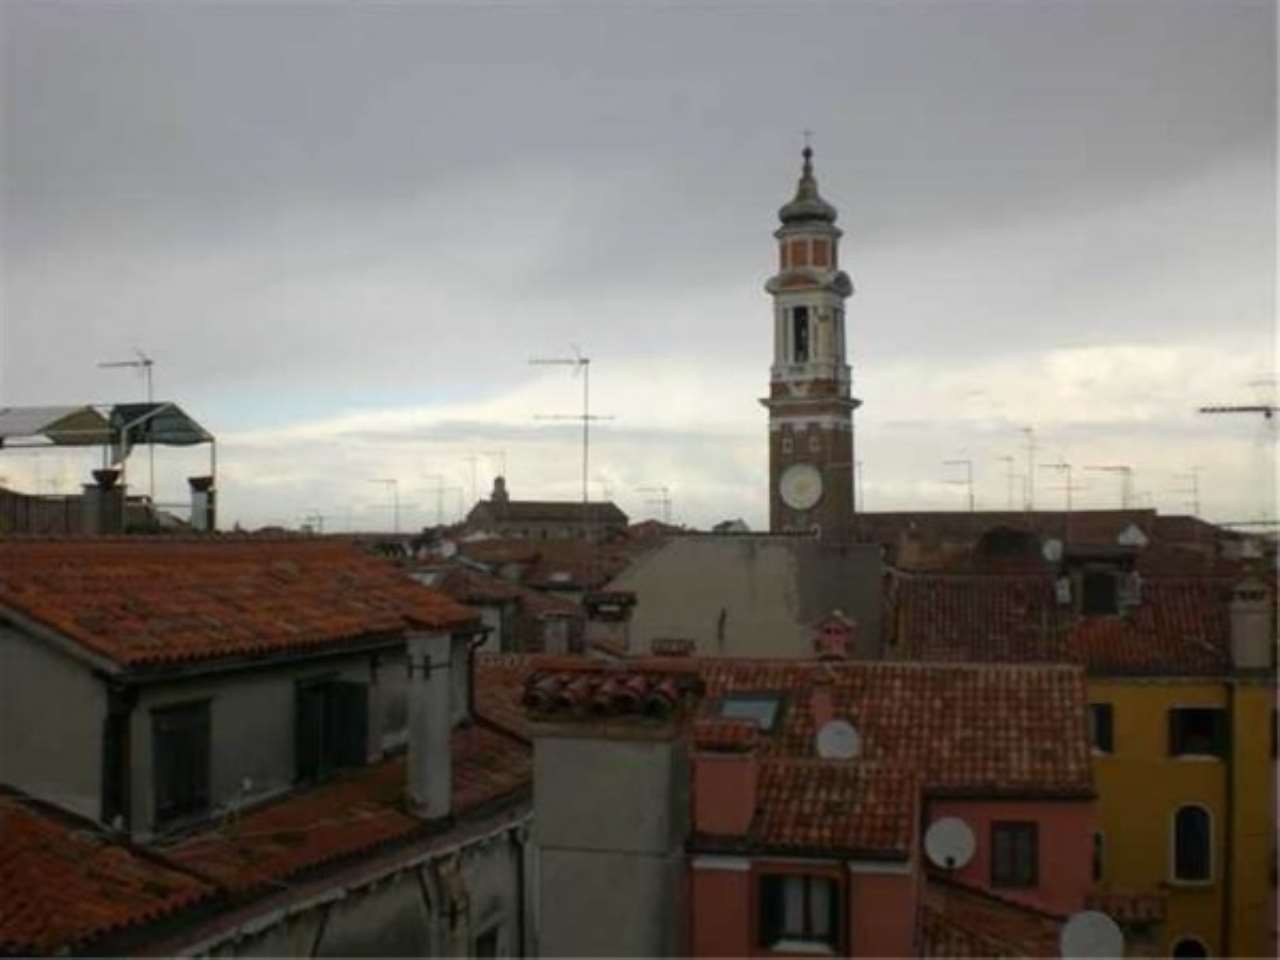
point(807, 153)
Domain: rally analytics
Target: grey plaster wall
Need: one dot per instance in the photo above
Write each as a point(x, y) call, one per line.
point(390, 920)
point(752, 596)
point(251, 716)
point(52, 715)
point(610, 822)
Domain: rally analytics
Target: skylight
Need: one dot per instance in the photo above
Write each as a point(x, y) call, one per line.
point(760, 707)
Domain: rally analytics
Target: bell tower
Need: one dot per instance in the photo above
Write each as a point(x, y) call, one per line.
point(809, 403)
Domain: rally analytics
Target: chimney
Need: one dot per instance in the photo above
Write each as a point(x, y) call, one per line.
point(609, 619)
point(430, 695)
point(102, 504)
point(834, 637)
point(203, 516)
point(725, 775)
point(820, 702)
point(1253, 641)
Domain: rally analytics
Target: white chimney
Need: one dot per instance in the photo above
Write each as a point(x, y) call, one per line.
point(203, 517)
point(430, 723)
point(1253, 640)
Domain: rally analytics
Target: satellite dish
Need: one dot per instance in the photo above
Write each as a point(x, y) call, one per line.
point(949, 843)
point(1091, 933)
point(1052, 550)
point(838, 740)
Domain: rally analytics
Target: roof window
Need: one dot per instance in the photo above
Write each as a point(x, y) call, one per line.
point(763, 708)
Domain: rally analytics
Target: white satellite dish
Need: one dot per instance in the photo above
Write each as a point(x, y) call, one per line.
point(838, 740)
point(949, 843)
point(1091, 933)
point(1052, 550)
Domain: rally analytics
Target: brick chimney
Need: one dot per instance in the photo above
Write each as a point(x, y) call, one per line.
point(725, 774)
point(203, 514)
point(430, 695)
point(102, 504)
point(833, 636)
point(1253, 639)
point(609, 619)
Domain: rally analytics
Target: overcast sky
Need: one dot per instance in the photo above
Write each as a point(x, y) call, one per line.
point(342, 230)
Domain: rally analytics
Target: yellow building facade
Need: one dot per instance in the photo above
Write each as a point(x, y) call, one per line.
point(1146, 777)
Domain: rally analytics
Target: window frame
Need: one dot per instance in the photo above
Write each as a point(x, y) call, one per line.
point(1086, 595)
point(755, 695)
point(782, 940)
point(337, 748)
point(1015, 880)
point(1210, 860)
point(202, 803)
point(801, 322)
point(1107, 710)
point(1220, 737)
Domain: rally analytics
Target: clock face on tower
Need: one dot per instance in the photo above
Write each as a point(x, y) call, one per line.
point(800, 486)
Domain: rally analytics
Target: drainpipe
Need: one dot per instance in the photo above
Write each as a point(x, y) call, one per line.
point(518, 842)
point(1228, 827)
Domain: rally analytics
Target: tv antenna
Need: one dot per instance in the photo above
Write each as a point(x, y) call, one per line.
point(394, 485)
point(1031, 468)
point(580, 364)
point(967, 482)
point(472, 459)
point(663, 500)
point(1069, 487)
point(1009, 475)
point(1126, 481)
point(1192, 489)
point(440, 488)
point(143, 365)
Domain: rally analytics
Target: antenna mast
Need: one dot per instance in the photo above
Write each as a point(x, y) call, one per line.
point(967, 482)
point(1126, 482)
point(394, 484)
point(144, 364)
point(663, 500)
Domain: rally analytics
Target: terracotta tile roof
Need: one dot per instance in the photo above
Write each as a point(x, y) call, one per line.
point(1180, 627)
point(965, 729)
point(351, 815)
point(976, 729)
point(158, 601)
point(1130, 908)
point(959, 921)
point(63, 884)
point(473, 586)
point(978, 619)
point(823, 805)
point(557, 564)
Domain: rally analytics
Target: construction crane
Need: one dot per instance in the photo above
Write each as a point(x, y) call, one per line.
point(1266, 409)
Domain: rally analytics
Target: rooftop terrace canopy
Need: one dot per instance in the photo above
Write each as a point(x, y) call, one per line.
point(122, 425)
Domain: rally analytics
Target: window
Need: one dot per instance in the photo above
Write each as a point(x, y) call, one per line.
point(1192, 842)
point(1189, 947)
point(821, 253)
point(786, 444)
point(799, 253)
point(760, 707)
point(487, 943)
point(1014, 854)
point(332, 727)
point(800, 334)
point(1099, 851)
point(798, 909)
point(782, 251)
point(180, 754)
point(1100, 727)
point(1197, 731)
point(1099, 593)
point(815, 443)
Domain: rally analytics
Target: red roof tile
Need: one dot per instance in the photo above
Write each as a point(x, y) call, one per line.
point(959, 921)
point(64, 884)
point(146, 602)
point(1180, 627)
point(846, 806)
point(716, 734)
point(351, 815)
point(964, 728)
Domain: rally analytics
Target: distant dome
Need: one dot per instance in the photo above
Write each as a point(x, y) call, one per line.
point(807, 206)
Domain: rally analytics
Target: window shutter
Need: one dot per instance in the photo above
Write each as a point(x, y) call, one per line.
point(1221, 733)
point(197, 742)
point(307, 731)
point(1104, 727)
point(351, 710)
point(770, 910)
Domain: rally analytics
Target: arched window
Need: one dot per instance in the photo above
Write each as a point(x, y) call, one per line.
point(1189, 947)
point(1192, 844)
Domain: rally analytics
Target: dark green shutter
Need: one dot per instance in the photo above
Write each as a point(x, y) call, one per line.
point(351, 716)
point(308, 731)
point(770, 910)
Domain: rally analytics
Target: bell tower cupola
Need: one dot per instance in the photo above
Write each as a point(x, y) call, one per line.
point(810, 403)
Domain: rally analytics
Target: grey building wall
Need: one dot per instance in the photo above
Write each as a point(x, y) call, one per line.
point(251, 717)
point(610, 820)
point(752, 596)
point(52, 712)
